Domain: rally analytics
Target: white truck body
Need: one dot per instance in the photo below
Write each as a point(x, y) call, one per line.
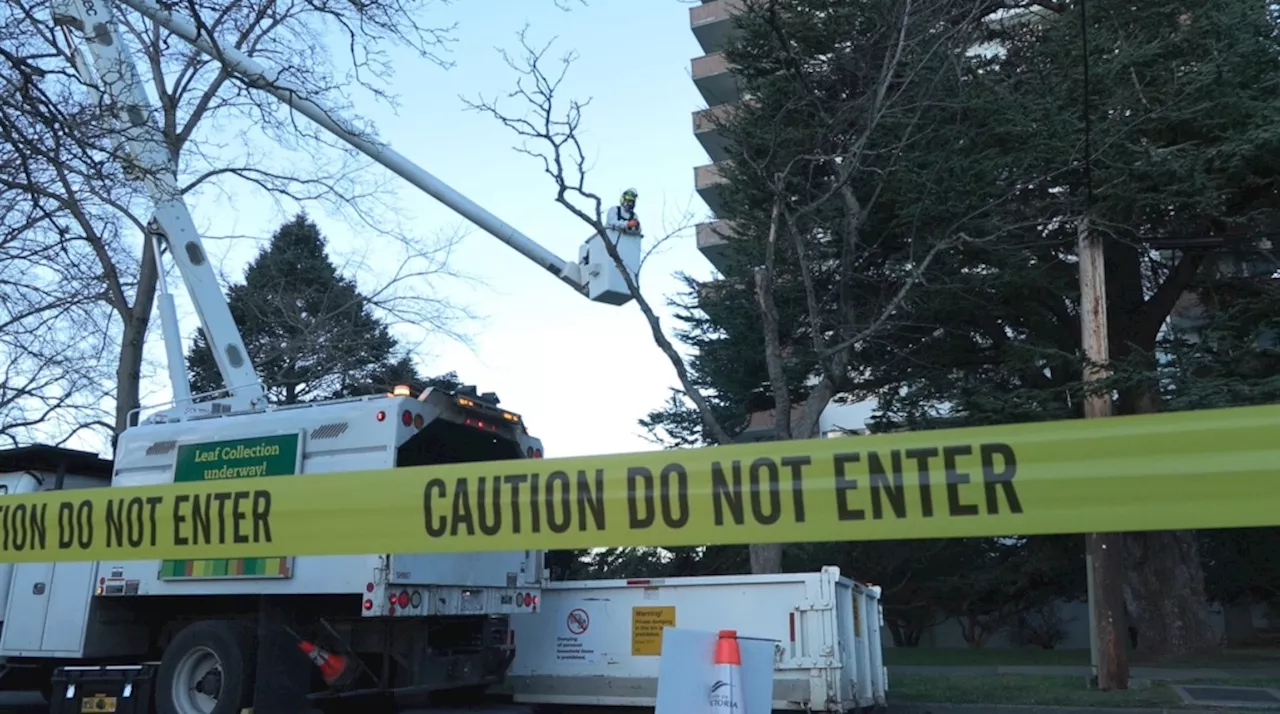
point(827, 628)
point(88, 611)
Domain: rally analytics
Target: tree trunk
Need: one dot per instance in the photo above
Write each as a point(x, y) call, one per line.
point(1164, 580)
point(133, 338)
point(1166, 596)
point(766, 558)
point(129, 373)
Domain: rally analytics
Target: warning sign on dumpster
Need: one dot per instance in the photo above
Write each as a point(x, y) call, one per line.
point(575, 641)
point(646, 629)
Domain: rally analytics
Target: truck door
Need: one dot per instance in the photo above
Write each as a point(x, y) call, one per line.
point(12, 483)
point(46, 605)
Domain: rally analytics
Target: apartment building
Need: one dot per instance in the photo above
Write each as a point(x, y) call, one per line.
point(712, 24)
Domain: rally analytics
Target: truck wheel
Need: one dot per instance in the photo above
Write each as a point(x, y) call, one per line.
point(207, 668)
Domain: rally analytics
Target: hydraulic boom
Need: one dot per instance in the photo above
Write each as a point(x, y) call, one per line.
point(268, 81)
point(595, 274)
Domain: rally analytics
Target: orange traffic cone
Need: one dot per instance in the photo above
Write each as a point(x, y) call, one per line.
point(333, 667)
point(726, 689)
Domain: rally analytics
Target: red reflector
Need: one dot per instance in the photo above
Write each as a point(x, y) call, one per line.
point(638, 582)
point(368, 587)
point(382, 416)
point(406, 418)
point(403, 600)
point(368, 604)
point(793, 627)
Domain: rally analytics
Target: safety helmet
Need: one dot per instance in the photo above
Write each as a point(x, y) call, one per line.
point(629, 197)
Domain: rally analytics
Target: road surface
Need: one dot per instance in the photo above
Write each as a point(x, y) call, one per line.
point(22, 703)
point(32, 703)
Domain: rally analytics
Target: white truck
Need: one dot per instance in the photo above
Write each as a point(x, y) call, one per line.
point(413, 623)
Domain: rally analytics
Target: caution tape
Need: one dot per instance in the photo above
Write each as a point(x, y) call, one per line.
point(1203, 469)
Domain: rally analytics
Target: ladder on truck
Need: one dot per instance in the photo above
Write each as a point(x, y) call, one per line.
point(596, 274)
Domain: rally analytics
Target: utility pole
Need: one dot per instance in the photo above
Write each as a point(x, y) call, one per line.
point(1104, 552)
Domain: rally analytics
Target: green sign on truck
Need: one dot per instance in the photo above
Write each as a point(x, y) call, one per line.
point(239, 458)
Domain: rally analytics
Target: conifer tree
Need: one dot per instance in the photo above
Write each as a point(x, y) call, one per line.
point(307, 328)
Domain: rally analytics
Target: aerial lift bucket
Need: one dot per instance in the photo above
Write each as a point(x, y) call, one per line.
point(603, 280)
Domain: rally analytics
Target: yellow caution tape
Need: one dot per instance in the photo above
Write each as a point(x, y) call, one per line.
point(1204, 469)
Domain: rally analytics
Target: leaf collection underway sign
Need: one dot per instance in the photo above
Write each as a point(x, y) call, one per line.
point(1182, 470)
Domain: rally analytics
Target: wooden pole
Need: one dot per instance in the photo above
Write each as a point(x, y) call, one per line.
point(1105, 551)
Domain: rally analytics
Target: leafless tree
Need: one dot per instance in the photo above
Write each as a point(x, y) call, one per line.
point(851, 157)
point(77, 254)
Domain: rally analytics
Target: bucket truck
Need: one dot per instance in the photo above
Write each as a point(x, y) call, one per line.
point(216, 636)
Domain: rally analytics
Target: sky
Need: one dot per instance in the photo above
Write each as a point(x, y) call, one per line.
point(581, 374)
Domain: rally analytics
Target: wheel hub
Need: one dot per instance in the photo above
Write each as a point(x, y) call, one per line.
point(211, 683)
point(197, 682)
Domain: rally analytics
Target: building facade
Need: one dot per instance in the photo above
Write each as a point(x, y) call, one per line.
point(712, 25)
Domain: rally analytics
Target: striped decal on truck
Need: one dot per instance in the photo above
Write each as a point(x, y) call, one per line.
point(227, 568)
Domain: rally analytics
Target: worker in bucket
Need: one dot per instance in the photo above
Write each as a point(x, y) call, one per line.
point(622, 217)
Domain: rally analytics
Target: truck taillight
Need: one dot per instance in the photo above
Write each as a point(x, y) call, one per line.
point(406, 417)
point(368, 604)
point(403, 599)
point(368, 587)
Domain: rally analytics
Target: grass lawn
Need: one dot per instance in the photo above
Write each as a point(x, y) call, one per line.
point(1231, 659)
point(1038, 690)
point(992, 657)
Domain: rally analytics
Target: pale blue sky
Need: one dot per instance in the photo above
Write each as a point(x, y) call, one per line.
point(580, 373)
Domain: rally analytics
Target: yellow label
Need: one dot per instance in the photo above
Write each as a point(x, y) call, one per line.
point(1184, 470)
point(98, 703)
point(646, 628)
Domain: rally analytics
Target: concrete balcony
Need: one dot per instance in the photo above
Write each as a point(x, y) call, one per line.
point(712, 23)
point(714, 242)
point(709, 184)
point(714, 80)
point(706, 129)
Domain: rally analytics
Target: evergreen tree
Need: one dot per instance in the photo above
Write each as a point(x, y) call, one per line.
point(1185, 145)
point(307, 328)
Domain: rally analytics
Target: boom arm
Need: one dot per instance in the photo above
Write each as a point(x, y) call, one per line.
point(144, 146)
point(598, 270)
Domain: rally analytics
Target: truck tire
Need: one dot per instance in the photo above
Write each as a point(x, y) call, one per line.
point(208, 668)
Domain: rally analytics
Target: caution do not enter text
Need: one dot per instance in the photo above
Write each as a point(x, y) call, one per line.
point(1185, 470)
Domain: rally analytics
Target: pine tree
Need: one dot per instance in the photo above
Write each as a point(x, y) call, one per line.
point(308, 329)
